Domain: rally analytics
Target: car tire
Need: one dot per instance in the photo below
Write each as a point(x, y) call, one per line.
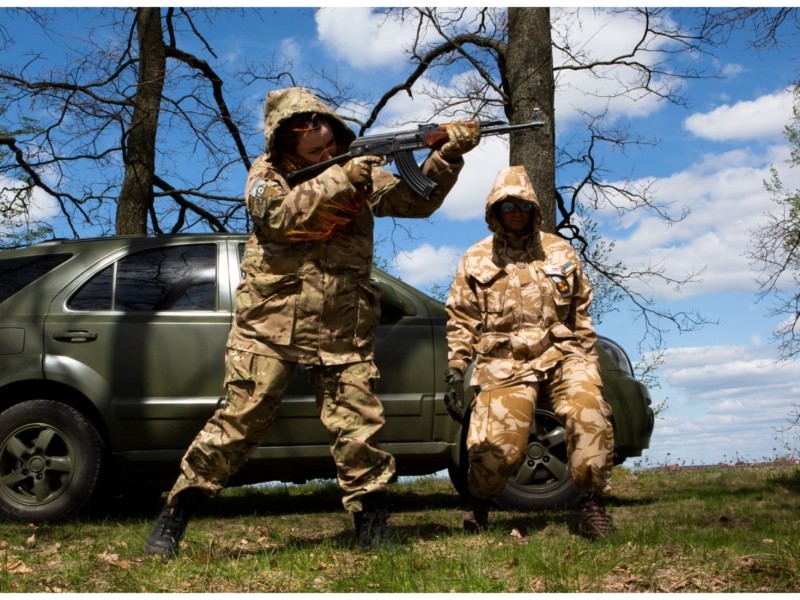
point(541, 480)
point(51, 458)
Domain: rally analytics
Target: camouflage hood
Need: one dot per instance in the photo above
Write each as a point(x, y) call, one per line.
point(283, 104)
point(513, 183)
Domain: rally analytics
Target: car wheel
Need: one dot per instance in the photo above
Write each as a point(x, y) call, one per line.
point(51, 458)
point(542, 479)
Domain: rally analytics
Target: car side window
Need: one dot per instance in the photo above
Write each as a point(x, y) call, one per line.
point(176, 278)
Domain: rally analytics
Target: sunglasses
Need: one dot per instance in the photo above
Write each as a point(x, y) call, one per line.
point(508, 207)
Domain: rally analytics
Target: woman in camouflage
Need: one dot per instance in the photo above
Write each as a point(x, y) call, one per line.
point(519, 304)
point(306, 298)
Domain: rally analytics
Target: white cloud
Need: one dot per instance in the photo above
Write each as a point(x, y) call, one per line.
point(727, 199)
point(363, 38)
point(724, 402)
point(763, 117)
point(731, 70)
point(290, 50)
point(426, 264)
point(731, 373)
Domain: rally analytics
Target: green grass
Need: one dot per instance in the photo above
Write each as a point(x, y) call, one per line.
point(695, 529)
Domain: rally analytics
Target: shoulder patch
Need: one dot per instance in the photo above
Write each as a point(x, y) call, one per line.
point(257, 188)
point(568, 268)
point(553, 270)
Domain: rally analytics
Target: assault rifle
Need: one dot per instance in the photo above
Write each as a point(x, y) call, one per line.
point(399, 147)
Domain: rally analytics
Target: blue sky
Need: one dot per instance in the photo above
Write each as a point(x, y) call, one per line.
point(725, 396)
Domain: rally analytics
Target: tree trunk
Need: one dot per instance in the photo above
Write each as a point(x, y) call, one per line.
point(139, 144)
point(532, 85)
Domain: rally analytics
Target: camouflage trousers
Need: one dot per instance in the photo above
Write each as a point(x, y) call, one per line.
point(255, 385)
point(501, 418)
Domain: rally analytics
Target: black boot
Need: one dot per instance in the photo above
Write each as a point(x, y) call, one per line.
point(476, 519)
point(171, 524)
point(371, 528)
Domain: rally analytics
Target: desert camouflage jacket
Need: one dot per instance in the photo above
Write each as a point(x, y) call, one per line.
point(305, 294)
point(517, 303)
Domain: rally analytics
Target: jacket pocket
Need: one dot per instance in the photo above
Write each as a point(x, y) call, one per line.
point(493, 358)
point(269, 286)
point(266, 303)
point(491, 294)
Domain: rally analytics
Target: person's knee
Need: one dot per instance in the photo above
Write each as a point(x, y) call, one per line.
point(583, 404)
point(490, 466)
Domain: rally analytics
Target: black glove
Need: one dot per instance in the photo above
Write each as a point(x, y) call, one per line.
point(454, 396)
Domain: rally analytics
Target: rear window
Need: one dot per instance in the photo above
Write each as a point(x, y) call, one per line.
point(19, 272)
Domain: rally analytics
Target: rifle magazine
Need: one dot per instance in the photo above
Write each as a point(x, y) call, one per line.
point(411, 173)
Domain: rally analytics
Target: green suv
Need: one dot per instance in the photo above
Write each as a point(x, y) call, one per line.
point(111, 360)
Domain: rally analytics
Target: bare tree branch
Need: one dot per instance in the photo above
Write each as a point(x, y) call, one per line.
point(83, 146)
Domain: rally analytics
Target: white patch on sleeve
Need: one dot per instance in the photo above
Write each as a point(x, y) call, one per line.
point(257, 188)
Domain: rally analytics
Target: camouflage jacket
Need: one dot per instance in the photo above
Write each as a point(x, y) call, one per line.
point(517, 304)
point(305, 293)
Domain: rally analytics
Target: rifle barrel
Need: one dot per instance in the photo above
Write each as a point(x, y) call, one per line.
point(506, 128)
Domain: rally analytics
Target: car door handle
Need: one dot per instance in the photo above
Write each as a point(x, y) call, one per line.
point(75, 335)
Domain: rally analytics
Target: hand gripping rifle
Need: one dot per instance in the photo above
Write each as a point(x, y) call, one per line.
point(399, 147)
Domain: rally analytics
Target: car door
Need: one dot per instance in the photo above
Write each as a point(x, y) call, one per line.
point(144, 331)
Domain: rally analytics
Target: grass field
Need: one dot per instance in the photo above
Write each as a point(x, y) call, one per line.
point(695, 529)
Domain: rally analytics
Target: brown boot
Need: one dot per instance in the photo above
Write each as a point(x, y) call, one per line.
point(594, 522)
point(476, 519)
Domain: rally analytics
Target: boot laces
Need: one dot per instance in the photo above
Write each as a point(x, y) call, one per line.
point(172, 522)
point(594, 521)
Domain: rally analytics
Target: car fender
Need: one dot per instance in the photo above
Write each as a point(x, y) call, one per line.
point(633, 417)
point(20, 368)
point(85, 381)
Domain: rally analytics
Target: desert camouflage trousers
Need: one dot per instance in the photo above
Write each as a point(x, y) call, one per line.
point(256, 384)
point(501, 418)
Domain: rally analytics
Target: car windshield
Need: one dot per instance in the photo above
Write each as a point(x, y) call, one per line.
point(19, 272)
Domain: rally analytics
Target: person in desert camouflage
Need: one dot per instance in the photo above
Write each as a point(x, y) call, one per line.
point(306, 298)
point(519, 304)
